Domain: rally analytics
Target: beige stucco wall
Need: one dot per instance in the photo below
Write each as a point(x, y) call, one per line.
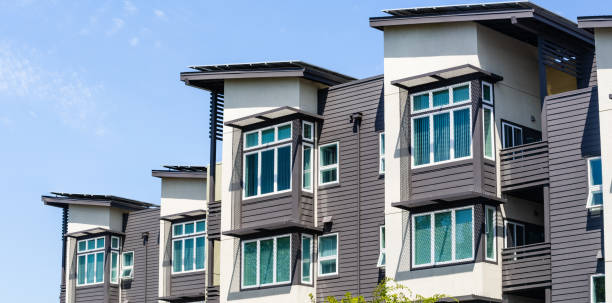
point(84, 217)
point(181, 195)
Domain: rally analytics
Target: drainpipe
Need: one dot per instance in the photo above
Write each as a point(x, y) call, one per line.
point(356, 120)
point(145, 242)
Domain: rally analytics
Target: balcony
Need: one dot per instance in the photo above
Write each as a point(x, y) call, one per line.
point(524, 167)
point(526, 268)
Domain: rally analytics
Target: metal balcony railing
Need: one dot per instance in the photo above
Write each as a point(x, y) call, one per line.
point(524, 166)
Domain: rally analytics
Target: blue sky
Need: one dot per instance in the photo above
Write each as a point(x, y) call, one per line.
point(91, 98)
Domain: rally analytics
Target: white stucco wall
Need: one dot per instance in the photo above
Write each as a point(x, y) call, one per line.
point(84, 217)
point(181, 195)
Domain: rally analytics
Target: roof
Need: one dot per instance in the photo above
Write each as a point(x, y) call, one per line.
point(485, 13)
point(595, 21)
point(270, 115)
point(180, 171)
point(66, 199)
point(211, 77)
point(443, 75)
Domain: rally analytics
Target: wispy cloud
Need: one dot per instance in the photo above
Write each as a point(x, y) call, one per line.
point(116, 26)
point(129, 7)
point(134, 41)
point(159, 14)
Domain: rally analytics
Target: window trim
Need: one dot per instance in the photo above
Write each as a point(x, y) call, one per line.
point(484, 152)
point(431, 137)
point(311, 139)
point(336, 257)
point(381, 153)
point(381, 249)
point(491, 102)
point(182, 238)
point(312, 150)
point(86, 253)
point(430, 92)
point(592, 285)
point(487, 207)
point(515, 223)
point(114, 251)
point(432, 238)
point(122, 267)
point(258, 240)
point(118, 242)
point(259, 151)
point(302, 259)
point(331, 166)
point(503, 131)
point(260, 130)
point(93, 249)
point(593, 188)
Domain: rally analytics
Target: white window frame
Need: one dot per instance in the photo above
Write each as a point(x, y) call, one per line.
point(118, 243)
point(182, 238)
point(123, 267)
point(312, 151)
point(432, 238)
point(332, 166)
point(503, 131)
point(336, 257)
point(431, 137)
point(114, 251)
point(381, 247)
point(593, 189)
point(484, 83)
point(88, 252)
point(487, 227)
point(302, 260)
point(260, 130)
point(258, 241)
point(451, 103)
point(260, 151)
point(592, 286)
point(492, 133)
point(381, 154)
point(514, 223)
point(304, 123)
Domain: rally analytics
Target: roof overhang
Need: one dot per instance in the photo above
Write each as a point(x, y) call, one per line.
point(184, 298)
point(64, 200)
point(277, 227)
point(269, 115)
point(178, 174)
point(92, 232)
point(444, 75)
point(446, 199)
point(184, 215)
point(595, 21)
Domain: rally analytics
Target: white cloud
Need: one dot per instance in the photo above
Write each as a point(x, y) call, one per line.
point(134, 41)
point(117, 25)
point(129, 7)
point(160, 14)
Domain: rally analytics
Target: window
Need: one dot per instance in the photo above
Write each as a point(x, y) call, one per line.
point(266, 136)
point(442, 237)
point(511, 135)
point(598, 288)
point(328, 163)
point(515, 234)
point(490, 233)
point(487, 92)
point(114, 255)
point(266, 261)
point(307, 259)
point(595, 180)
point(381, 153)
point(307, 167)
point(307, 130)
point(188, 246)
point(441, 137)
point(382, 255)
point(267, 171)
point(90, 261)
point(127, 265)
point(488, 127)
point(441, 97)
point(328, 255)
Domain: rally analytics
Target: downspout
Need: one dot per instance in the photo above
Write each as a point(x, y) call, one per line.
point(145, 242)
point(356, 120)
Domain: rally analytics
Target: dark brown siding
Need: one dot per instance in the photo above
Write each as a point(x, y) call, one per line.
point(144, 286)
point(188, 283)
point(213, 220)
point(357, 223)
point(576, 232)
point(257, 211)
point(458, 178)
point(489, 176)
point(92, 294)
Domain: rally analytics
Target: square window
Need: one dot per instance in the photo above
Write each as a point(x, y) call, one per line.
point(440, 98)
point(267, 136)
point(284, 132)
point(328, 164)
point(461, 93)
point(420, 102)
point(252, 139)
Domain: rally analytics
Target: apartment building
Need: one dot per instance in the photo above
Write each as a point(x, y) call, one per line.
point(475, 166)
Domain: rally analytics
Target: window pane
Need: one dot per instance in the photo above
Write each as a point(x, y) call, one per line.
point(520, 235)
point(490, 233)
point(328, 246)
point(284, 132)
point(421, 140)
point(284, 168)
point(128, 258)
point(91, 244)
point(114, 242)
point(307, 168)
point(461, 93)
point(463, 234)
point(462, 132)
point(508, 136)
point(82, 245)
point(441, 124)
point(597, 198)
point(283, 255)
point(200, 252)
point(81, 270)
point(266, 261)
point(188, 255)
point(595, 171)
point(126, 272)
point(267, 136)
point(599, 289)
point(200, 226)
point(307, 131)
point(440, 98)
point(329, 175)
point(100, 243)
point(328, 267)
point(91, 263)
point(518, 136)
point(267, 171)
point(249, 276)
point(510, 235)
point(100, 267)
point(114, 263)
point(443, 248)
point(306, 248)
point(420, 102)
point(177, 256)
point(178, 229)
point(329, 155)
point(488, 132)
point(382, 144)
point(486, 92)
point(422, 240)
point(252, 139)
point(250, 175)
point(189, 228)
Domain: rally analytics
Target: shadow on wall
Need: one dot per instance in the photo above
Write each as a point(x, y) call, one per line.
point(590, 145)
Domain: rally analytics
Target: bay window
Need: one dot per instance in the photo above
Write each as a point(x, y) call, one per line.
point(328, 163)
point(307, 259)
point(328, 255)
point(442, 237)
point(266, 261)
point(595, 198)
point(188, 246)
point(90, 261)
point(441, 97)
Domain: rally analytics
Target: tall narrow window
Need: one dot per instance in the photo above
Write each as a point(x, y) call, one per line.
point(595, 183)
point(512, 135)
point(90, 261)
point(307, 167)
point(488, 126)
point(307, 131)
point(127, 265)
point(114, 259)
point(490, 233)
point(382, 255)
point(188, 246)
point(266, 261)
point(328, 255)
point(328, 163)
point(421, 140)
point(598, 288)
point(462, 136)
point(515, 234)
point(381, 153)
point(306, 259)
point(487, 92)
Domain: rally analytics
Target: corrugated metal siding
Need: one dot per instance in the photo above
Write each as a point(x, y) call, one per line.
point(573, 134)
point(90, 294)
point(340, 202)
point(190, 283)
point(144, 286)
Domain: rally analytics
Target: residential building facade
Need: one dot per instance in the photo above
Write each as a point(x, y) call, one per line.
point(476, 166)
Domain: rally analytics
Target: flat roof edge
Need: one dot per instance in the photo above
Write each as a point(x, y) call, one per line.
point(595, 21)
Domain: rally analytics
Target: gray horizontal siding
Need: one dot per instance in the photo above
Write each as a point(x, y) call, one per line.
point(457, 178)
point(573, 135)
point(257, 212)
point(213, 220)
point(489, 176)
point(86, 294)
point(188, 283)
